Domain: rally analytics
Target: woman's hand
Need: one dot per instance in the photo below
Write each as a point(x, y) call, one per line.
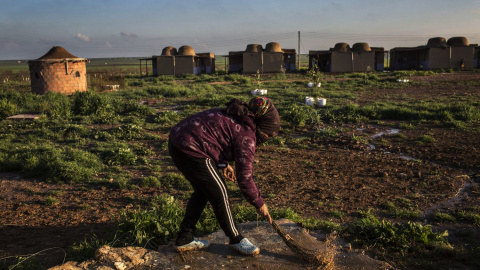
point(263, 211)
point(229, 173)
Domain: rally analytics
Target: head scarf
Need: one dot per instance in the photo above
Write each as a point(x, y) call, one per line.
point(266, 118)
point(266, 121)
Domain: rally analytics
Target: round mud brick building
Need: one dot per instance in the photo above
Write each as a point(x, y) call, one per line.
point(58, 71)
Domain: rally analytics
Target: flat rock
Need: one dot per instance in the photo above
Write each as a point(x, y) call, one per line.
point(335, 252)
point(24, 117)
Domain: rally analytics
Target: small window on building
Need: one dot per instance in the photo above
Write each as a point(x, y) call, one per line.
point(77, 74)
point(37, 76)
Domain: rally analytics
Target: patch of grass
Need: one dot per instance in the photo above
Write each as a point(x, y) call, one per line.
point(326, 132)
point(52, 163)
point(406, 210)
point(444, 218)
point(176, 180)
point(166, 117)
point(22, 263)
point(468, 216)
point(55, 193)
point(115, 153)
point(408, 126)
point(50, 200)
point(154, 226)
point(336, 213)
point(425, 139)
point(397, 236)
point(301, 115)
point(150, 181)
point(278, 141)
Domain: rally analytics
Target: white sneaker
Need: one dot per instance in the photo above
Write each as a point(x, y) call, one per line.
point(196, 244)
point(245, 247)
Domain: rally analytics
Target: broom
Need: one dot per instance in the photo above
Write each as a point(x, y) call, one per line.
point(305, 254)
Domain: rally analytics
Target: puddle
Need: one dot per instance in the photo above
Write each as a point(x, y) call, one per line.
point(388, 132)
point(461, 194)
point(380, 134)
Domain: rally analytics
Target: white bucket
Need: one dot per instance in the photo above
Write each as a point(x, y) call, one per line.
point(309, 101)
point(259, 92)
point(322, 101)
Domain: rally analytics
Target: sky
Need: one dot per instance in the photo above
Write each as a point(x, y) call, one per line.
point(142, 28)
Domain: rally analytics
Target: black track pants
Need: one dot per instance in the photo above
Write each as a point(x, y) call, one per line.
point(208, 186)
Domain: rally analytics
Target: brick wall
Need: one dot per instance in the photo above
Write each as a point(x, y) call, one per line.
point(54, 76)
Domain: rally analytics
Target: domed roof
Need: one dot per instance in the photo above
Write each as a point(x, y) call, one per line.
point(458, 41)
point(169, 51)
point(57, 52)
point(273, 47)
point(341, 47)
point(254, 48)
point(186, 50)
point(361, 47)
point(437, 42)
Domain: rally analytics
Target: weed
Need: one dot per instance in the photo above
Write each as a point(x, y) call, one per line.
point(22, 263)
point(50, 200)
point(278, 141)
point(166, 117)
point(397, 236)
point(406, 211)
point(52, 163)
point(336, 213)
point(152, 227)
point(176, 180)
point(425, 139)
point(326, 132)
point(409, 126)
point(55, 193)
point(300, 115)
point(116, 154)
point(444, 217)
point(150, 181)
point(86, 249)
point(468, 216)
point(128, 132)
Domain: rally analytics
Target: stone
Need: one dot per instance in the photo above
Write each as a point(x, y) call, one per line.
point(274, 254)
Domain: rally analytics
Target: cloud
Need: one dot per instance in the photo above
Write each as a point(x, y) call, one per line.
point(10, 45)
point(128, 35)
point(82, 37)
point(108, 45)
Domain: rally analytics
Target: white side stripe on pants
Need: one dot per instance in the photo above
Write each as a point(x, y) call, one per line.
point(223, 189)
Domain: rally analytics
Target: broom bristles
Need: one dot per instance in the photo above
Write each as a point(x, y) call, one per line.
point(303, 253)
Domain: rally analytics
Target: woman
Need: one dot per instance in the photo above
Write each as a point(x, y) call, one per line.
point(207, 141)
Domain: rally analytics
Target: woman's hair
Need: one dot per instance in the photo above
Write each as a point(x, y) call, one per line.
point(237, 107)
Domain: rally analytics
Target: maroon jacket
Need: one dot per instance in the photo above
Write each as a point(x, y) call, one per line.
point(220, 137)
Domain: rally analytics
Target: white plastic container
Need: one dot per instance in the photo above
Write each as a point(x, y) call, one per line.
point(322, 101)
point(259, 92)
point(311, 84)
point(309, 101)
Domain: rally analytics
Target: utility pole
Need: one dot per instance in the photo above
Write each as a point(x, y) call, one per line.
point(299, 55)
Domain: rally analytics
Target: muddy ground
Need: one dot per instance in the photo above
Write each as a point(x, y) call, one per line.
point(330, 178)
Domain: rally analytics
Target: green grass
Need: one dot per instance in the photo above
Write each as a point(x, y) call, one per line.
point(113, 137)
point(444, 218)
point(397, 236)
